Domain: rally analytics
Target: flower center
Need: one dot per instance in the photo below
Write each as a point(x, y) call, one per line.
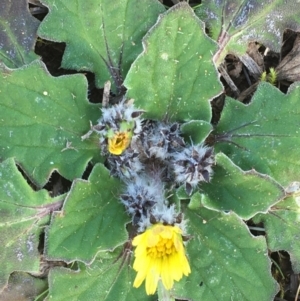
point(120, 139)
point(164, 248)
point(118, 143)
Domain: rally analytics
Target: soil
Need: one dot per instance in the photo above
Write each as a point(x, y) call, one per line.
point(240, 82)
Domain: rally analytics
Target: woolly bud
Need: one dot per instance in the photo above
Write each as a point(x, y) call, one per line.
point(140, 197)
point(193, 165)
point(117, 126)
point(160, 140)
point(163, 214)
point(126, 166)
point(166, 215)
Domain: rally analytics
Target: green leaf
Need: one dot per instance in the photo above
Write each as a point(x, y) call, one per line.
point(42, 119)
point(23, 213)
point(181, 193)
point(195, 131)
point(244, 192)
point(107, 279)
point(174, 78)
point(263, 134)
point(227, 262)
point(92, 219)
point(101, 36)
point(282, 224)
point(17, 33)
point(22, 286)
point(234, 23)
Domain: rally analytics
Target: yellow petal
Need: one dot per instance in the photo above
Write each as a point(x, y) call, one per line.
point(142, 273)
point(167, 232)
point(177, 268)
point(137, 239)
point(166, 274)
point(141, 248)
point(139, 278)
point(152, 239)
point(153, 277)
point(140, 262)
point(177, 240)
point(185, 266)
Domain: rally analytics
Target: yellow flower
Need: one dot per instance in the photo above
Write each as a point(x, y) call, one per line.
point(119, 142)
point(159, 254)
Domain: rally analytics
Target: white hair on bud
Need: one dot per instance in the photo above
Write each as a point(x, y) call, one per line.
point(138, 126)
point(193, 165)
point(146, 185)
point(144, 223)
point(164, 214)
point(158, 152)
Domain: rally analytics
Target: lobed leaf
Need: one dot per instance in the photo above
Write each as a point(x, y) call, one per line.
point(263, 134)
point(42, 119)
point(107, 279)
point(195, 131)
point(236, 23)
point(23, 213)
point(174, 78)
point(227, 262)
point(18, 31)
point(101, 36)
point(244, 192)
point(282, 224)
point(92, 219)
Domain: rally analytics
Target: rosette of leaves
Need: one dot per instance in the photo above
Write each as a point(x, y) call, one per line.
point(41, 127)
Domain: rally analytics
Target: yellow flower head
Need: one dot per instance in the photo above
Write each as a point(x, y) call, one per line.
point(159, 254)
point(119, 142)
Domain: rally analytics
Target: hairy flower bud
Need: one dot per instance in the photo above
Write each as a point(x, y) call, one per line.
point(118, 142)
point(193, 165)
point(159, 140)
point(117, 126)
point(125, 166)
point(140, 196)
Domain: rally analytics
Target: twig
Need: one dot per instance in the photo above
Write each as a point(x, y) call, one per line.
point(297, 294)
point(229, 81)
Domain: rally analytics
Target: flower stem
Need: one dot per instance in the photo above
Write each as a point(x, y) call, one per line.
point(163, 293)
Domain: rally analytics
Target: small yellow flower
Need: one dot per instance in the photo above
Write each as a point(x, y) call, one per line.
point(159, 254)
point(118, 142)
